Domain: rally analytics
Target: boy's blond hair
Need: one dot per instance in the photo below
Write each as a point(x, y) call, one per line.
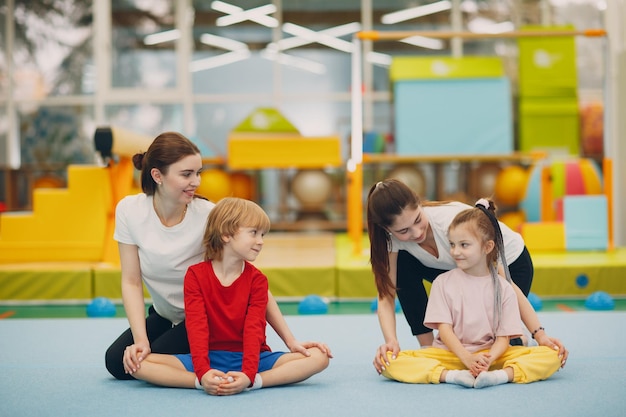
point(225, 219)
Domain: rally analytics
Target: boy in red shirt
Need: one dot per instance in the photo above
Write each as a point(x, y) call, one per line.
point(225, 302)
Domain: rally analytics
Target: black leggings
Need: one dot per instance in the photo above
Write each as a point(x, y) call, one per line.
point(412, 293)
point(163, 336)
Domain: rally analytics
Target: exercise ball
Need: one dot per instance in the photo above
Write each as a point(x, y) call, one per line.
point(241, 185)
point(510, 185)
point(485, 176)
point(411, 176)
point(576, 176)
point(214, 184)
point(513, 219)
point(313, 304)
point(101, 307)
point(592, 128)
point(312, 188)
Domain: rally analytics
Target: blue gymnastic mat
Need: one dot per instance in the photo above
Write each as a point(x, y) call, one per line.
point(453, 116)
point(55, 367)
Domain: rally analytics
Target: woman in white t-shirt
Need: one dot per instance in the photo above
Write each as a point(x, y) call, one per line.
point(159, 233)
point(409, 243)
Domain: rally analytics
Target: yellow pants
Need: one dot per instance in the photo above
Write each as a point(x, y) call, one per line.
point(425, 366)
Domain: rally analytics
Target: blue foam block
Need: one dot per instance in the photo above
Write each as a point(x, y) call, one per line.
point(586, 222)
point(458, 116)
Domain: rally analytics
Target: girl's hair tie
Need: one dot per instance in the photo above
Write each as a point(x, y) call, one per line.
point(483, 202)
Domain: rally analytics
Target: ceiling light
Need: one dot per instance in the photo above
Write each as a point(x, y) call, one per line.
point(379, 59)
point(221, 42)
point(162, 37)
point(414, 12)
point(293, 61)
point(218, 61)
point(296, 41)
point(236, 14)
point(320, 37)
point(424, 42)
point(483, 25)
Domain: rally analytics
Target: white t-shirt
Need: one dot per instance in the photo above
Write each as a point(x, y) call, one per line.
point(440, 218)
point(165, 253)
point(466, 302)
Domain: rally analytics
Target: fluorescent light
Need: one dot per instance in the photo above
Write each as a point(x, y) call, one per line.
point(218, 61)
point(379, 59)
point(482, 25)
point(424, 42)
point(162, 37)
point(319, 37)
point(222, 42)
point(414, 12)
point(293, 61)
point(236, 14)
point(295, 41)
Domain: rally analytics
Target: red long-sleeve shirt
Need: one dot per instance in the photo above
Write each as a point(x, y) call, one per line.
point(225, 318)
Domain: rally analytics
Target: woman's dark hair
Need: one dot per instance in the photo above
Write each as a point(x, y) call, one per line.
point(166, 149)
point(386, 200)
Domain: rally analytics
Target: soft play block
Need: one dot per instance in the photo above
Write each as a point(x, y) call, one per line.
point(469, 116)
point(354, 275)
point(418, 68)
point(550, 123)
point(107, 281)
point(259, 151)
point(586, 222)
point(544, 236)
point(45, 282)
point(547, 65)
point(65, 224)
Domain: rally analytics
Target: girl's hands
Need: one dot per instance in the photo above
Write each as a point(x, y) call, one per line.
point(133, 355)
point(380, 360)
point(477, 363)
point(544, 340)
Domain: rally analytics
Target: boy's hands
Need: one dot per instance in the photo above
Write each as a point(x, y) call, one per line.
point(216, 382)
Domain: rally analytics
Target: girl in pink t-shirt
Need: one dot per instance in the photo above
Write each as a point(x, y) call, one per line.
point(475, 313)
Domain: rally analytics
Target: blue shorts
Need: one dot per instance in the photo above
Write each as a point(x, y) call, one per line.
point(225, 361)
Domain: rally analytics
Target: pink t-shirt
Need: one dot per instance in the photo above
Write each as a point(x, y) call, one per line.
point(466, 302)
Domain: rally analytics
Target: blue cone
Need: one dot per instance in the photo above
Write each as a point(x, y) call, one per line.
point(101, 307)
point(313, 304)
point(600, 300)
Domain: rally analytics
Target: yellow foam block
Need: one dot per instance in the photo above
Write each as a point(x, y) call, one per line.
point(258, 151)
point(354, 275)
point(300, 282)
point(544, 236)
point(45, 281)
point(65, 224)
point(107, 282)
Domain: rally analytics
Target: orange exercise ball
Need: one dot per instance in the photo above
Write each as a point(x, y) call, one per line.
point(242, 185)
point(510, 185)
point(214, 184)
point(513, 219)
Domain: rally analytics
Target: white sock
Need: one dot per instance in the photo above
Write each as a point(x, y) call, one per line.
point(491, 378)
point(460, 377)
point(257, 384)
point(198, 384)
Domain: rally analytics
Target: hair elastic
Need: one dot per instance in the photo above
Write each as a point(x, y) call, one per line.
point(483, 205)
